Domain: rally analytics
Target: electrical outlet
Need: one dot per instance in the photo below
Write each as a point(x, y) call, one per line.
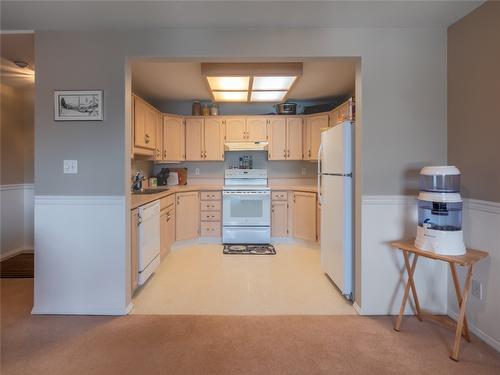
point(477, 289)
point(303, 172)
point(70, 166)
point(197, 171)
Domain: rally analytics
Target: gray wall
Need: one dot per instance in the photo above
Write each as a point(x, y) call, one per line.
point(473, 101)
point(16, 134)
point(404, 81)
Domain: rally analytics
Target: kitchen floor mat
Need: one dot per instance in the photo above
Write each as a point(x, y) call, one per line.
point(243, 249)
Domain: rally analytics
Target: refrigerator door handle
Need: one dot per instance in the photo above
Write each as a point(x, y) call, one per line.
point(319, 172)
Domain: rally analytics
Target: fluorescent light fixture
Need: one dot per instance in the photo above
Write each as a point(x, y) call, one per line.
point(230, 96)
point(267, 96)
point(228, 83)
point(273, 83)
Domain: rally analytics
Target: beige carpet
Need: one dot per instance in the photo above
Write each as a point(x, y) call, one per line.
point(161, 344)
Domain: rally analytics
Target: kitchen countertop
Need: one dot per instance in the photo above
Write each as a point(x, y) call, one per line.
point(141, 199)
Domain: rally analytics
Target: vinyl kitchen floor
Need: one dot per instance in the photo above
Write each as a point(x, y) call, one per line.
point(199, 279)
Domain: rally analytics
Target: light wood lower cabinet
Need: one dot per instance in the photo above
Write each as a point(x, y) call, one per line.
point(134, 249)
point(167, 230)
point(279, 218)
point(210, 214)
point(304, 216)
point(187, 213)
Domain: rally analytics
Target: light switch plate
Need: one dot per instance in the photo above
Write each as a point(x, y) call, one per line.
point(477, 289)
point(303, 171)
point(197, 171)
point(70, 166)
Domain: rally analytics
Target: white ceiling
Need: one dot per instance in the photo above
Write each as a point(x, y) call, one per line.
point(114, 15)
point(173, 81)
point(17, 47)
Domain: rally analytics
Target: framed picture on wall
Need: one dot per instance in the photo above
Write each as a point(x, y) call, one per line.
point(78, 105)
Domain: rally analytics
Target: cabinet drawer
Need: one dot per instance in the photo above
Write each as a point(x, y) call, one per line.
point(210, 215)
point(279, 195)
point(210, 195)
point(167, 201)
point(210, 229)
point(210, 205)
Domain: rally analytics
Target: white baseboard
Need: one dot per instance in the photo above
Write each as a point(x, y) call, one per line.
point(482, 335)
point(91, 311)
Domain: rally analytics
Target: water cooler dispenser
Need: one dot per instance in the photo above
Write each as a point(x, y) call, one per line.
point(440, 211)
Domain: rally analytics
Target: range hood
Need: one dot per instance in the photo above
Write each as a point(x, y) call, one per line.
point(245, 146)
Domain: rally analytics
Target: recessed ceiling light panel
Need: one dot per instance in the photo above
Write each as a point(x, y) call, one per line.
point(272, 83)
point(230, 96)
point(228, 83)
point(267, 96)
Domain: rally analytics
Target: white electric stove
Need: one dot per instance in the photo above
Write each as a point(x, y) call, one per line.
point(246, 207)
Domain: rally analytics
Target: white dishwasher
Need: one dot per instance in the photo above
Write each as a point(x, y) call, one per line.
point(149, 240)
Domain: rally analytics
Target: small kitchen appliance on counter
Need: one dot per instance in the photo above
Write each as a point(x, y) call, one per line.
point(440, 211)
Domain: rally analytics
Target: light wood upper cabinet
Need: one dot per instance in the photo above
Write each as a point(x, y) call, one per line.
point(235, 128)
point(194, 139)
point(159, 137)
point(294, 138)
point(285, 141)
point(304, 215)
point(314, 126)
point(343, 112)
point(145, 127)
point(256, 129)
point(213, 136)
point(204, 139)
point(187, 216)
point(134, 250)
point(277, 138)
point(173, 138)
point(279, 218)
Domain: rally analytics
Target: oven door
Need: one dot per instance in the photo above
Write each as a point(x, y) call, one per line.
point(246, 208)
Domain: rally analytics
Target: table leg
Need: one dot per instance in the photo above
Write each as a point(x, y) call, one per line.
point(410, 270)
point(412, 284)
point(459, 299)
point(461, 317)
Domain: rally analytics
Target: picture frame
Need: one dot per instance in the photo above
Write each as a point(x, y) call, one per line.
point(78, 105)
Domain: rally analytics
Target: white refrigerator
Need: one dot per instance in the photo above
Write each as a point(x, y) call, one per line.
point(335, 189)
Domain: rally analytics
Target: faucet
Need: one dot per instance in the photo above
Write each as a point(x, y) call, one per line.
point(137, 181)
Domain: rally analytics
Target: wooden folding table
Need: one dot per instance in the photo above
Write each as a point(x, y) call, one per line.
point(468, 260)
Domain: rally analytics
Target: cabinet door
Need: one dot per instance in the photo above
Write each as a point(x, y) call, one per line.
point(256, 129)
point(235, 129)
point(294, 138)
point(306, 139)
point(163, 235)
point(150, 127)
point(194, 139)
point(316, 125)
point(277, 138)
point(213, 147)
point(134, 250)
point(187, 216)
point(173, 138)
point(140, 113)
point(171, 227)
point(304, 216)
point(333, 117)
point(279, 218)
point(159, 137)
